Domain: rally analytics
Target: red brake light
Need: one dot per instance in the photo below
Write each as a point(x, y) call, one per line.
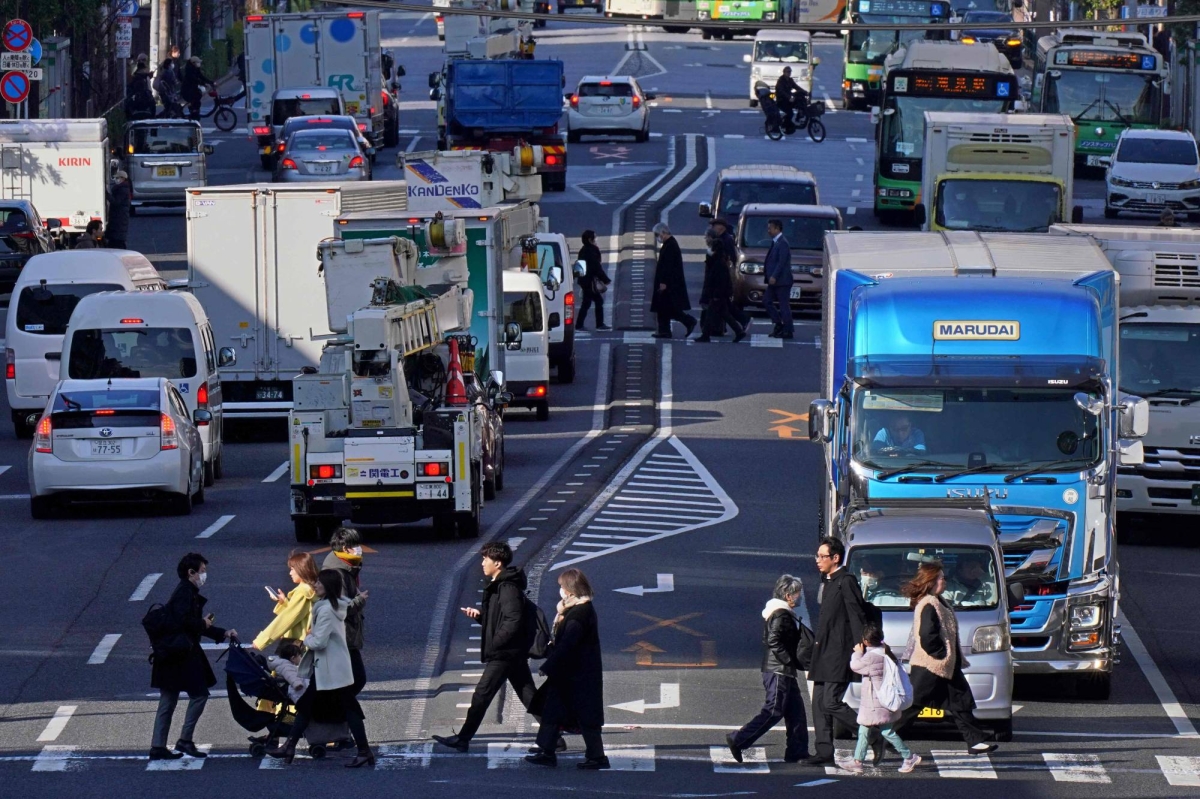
point(103, 412)
point(606, 83)
point(306, 97)
point(255, 18)
point(264, 130)
point(288, 164)
point(574, 100)
point(10, 364)
point(372, 110)
point(535, 391)
point(637, 101)
point(202, 396)
point(355, 163)
point(414, 221)
point(550, 160)
point(435, 469)
point(132, 321)
point(356, 15)
point(570, 298)
point(384, 95)
point(44, 429)
point(325, 472)
point(166, 431)
point(363, 125)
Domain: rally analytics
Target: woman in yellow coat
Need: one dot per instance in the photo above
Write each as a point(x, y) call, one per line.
point(292, 610)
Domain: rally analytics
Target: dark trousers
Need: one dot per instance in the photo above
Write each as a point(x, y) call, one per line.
point(345, 697)
point(359, 671)
point(720, 311)
point(965, 721)
point(495, 673)
point(828, 706)
point(593, 743)
point(167, 700)
point(777, 301)
point(666, 317)
point(783, 702)
point(590, 297)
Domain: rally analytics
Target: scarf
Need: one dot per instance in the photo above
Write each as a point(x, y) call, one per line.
point(566, 604)
point(349, 558)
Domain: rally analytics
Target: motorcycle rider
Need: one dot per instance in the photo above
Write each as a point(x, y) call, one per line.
point(789, 95)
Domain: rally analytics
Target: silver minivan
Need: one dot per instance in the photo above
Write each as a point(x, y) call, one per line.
point(164, 158)
point(884, 547)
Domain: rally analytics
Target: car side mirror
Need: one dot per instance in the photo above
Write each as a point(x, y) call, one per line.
point(1135, 417)
point(435, 95)
point(504, 399)
point(820, 421)
point(705, 210)
point(919, 214)
point(555, 321)
point(746, 59)
point(226, 356)
point(816, 62)
point(875, 115)
point(433, 80)
point(53, 224)
point(400, 73)
point(1016, 594)
point(202, 417)
point(553, 284)
point(512, 335)
point(207, 149)
point(496, 378)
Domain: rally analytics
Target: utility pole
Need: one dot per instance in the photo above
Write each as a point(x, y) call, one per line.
point(186, 31)
point(154, 44)
point(164, 25)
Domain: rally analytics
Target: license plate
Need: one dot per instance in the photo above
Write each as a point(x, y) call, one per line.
point(795, 295)
point(1096, 160)
point(1156, 199)
point(269, 393)
point(321, 169)
point(931, 713)
point(433, 491)
point(604, 109)
point(165, 171)
point(108, 447)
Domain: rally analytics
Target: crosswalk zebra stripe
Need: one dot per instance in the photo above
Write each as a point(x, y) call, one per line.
point(959, 765)
point(754, 761)
point(1076, 768)
point(1180, 771)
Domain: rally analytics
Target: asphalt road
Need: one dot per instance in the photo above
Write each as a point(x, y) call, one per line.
point(668, 467)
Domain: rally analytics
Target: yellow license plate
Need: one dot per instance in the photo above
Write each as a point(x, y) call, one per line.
point(165, 171)
point(931, 713)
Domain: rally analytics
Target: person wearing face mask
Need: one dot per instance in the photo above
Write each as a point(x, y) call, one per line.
point(345, 557)
point(188, 671)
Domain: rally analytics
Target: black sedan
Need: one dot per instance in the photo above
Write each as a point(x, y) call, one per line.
point(23, 235)
point(995, 27)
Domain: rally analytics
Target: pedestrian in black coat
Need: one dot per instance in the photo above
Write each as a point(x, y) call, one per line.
point(573, 694)
point(120, 197)
point(839, 628)
point(670, 300)
point(345, 557)
point(504, 641)
point(194, 83)
point(189, 672)
point(716, 296)
point(590, 283)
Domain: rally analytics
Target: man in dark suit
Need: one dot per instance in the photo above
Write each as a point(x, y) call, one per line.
point(839, 628)
point(670, 300)
point(777, 271)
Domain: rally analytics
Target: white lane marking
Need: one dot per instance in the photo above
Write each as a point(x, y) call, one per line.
point(959, 765)
point(630, 757)
point(274, 763)
point(212, 529)
point(665, 585)
point(4, 469)
point(754, 761)
point(100, 654)
point(57, 724)
point(55, 758)
point(412, 145)
point(144, 587)
point(712, 165)
point(279, 472)
point(668, 697)
point(185, 763)
point(1076, 768)
point(1184, 771)
point(14, 496)
point(1166, 697)
point(707, 99)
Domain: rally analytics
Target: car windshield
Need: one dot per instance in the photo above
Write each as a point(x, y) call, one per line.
point(1126, 97)
point(145, 352)
point(1007, 205)
point(283, 110)
point(738, 193)
point(524, 308)
point(960, 427)
point(318, 140)
point(800, 232)
point(1157, 151)
point(165, 139)
point(904, 131)
point(786, 52)
point(1160, 359)
point(872, 46)
point(882, 571)
point(996, 18)
point(46, 310)
point(605, 89)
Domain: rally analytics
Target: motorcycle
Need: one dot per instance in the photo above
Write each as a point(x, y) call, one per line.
point(801, 116)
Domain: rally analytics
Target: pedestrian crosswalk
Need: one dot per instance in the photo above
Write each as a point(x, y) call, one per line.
point(669, 493)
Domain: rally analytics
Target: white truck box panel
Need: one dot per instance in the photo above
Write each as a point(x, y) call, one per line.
point(63, 166)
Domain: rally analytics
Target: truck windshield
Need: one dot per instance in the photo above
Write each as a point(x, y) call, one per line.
point(166, 140)
point(872, 46)
point(146, 352)
point(1018, 206)
point(1160, 360)
point(800, 232)
point(904, 131)
point(881, 571)
point(786, 52)
point(736, 194)
point(1127, 97)
point(957, 428)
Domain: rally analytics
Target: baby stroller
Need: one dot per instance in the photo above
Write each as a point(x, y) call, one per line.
point(246, 672)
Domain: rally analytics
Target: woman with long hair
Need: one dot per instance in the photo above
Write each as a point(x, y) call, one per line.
point(293, 609)
point(937, 661)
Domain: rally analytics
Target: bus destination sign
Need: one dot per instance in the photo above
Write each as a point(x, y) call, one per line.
point(1106, 59)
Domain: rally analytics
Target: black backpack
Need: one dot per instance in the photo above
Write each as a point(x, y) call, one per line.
point(536, 629)
point(167, 640)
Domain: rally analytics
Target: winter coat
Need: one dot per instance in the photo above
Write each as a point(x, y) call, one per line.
point(590, 255)
point(190, 673)
point(289, 672)
point(354, 616)
point(193, 80)
point(166, 83)
point(781, 634)
point(718, 285)
point(839, 628)
point(935, 625)
point(328, 657)
point(870, 665)
point(86, 242)
point(502, 617)
point(574, 689)
point(669, 271)
point(292, 616)
point(119, 197)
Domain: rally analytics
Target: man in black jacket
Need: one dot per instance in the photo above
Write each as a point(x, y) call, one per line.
point(670, 300)
point(781, 635)
point(504, 641)
point(717, 293)
point(591, 281)
point(839, 628)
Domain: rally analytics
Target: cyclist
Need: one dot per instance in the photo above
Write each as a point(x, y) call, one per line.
point(194, 83)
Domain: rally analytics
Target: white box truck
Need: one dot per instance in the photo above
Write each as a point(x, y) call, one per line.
point(451, 179)
point(997, 172)
point(338, 50)
point(252, 263)
point(60, 165)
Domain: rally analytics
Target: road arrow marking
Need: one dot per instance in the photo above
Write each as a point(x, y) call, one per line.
point(668, 697)
point(666, 584)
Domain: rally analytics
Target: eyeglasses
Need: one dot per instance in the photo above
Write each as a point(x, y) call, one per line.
point(819, 556)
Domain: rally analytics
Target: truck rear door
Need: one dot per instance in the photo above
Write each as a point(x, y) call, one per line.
point(260, 67)
point(343, 55)
point(296, 46)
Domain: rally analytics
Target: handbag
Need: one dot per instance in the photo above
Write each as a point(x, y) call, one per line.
point(600, 286)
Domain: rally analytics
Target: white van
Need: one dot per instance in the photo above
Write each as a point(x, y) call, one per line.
point(562, 293)
point(776, 49)
point(129, 334)
point(527, 361)
point(45, 294)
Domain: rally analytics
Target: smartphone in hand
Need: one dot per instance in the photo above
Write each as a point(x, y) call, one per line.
point(270, 592)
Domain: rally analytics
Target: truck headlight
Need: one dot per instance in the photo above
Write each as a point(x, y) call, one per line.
point(1086, 617)
point(993, 638)
point(769, 16)
point(750, 268)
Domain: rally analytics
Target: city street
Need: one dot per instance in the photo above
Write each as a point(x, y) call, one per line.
point(677, 476)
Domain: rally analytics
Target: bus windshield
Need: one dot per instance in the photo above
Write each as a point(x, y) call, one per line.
point(904, 130)
point(1016, 206)
point(872, 46)
point(1126, 97)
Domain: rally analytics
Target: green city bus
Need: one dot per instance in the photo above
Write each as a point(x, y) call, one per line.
point(709, 14)
point(865, 50)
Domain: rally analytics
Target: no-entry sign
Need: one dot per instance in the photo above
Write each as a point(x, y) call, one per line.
point(14, 86)
point(17, 35)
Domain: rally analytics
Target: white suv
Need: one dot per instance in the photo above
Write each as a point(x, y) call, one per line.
point(1151, 171)
point(603, 105)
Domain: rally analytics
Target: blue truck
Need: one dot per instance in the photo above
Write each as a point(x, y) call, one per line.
point(502, 105)
point(983, 365)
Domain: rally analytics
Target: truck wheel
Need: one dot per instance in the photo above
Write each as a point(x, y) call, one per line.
point(468, 524)
point(1096, 686)
point(489, 486)
point(500, 470)
point(219, 465)
point(306, 531)
point(560, 181)
point(566, 370)
point(543, 411)
point(198, 498)
point(642, 136)
point(391, 132)
point(706, 35)
point(443, 525)
point(572, 137)
point(266, 162)
point(180, 504)
point(1110, 213)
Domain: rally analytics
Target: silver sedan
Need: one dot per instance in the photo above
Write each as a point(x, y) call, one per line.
point(322, 156)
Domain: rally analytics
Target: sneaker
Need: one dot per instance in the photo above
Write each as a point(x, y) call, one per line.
point(910, 763)
point(853, 766)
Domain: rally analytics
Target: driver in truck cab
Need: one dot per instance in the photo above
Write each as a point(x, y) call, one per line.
point(898, 432)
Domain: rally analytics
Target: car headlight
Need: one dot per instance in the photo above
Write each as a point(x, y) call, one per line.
point(750, 268)
point(1086, 617)
point(993, 638)
point(1190, 184)
point(769, 16)
point(1116, 181)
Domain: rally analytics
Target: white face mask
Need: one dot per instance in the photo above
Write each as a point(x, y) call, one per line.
point(356, 551)
point(562, 592)
point(200, 578)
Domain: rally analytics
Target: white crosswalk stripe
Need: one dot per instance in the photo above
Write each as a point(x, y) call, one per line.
point(1076, 768)
point(958, 764)
point(754, 761)
point(1181, 771)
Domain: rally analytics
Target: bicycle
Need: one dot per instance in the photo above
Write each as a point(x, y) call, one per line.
point(223, 116)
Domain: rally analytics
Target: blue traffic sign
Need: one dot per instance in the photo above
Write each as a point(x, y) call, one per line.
point(17, 35)
point(14, 86)
point(35, 52)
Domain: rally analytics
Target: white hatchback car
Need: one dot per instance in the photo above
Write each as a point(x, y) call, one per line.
point(1152, 171)
point(116, 441)
point(605, 105)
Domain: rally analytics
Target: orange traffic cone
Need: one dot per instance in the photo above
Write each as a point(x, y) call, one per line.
point(456, 389)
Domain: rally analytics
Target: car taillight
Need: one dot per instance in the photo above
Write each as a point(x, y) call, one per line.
point(287, 163)
point(42, 442)
point(282, 146)
point(262, 131)
point(372, 110)
point(575, 101)
point(166, 432)
point(535, 391)
point(384, 95)
point(434, 469)
point(325, 471)
point(10, 364)
point(637, 101)
point(202, 396)
point(355, 163)
point(569, 306)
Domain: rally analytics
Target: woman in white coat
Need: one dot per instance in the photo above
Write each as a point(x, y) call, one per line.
point(327, 663)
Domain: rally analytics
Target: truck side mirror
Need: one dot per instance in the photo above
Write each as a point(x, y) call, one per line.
point(1135, 417)
point(706, 210)
point(202, 417)
point(512, 336)
point(226, 356)
point(874, 115)
point(53, 224)
point(1130, 452)
point(1077, 215)
point(555, 320)
point(207, 149)
point(1016, 594)
point(820, 421)
point(919, 213)
point(816, 62)
point(433, 80)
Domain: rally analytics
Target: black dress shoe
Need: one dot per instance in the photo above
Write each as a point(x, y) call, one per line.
point(691, 325)
point(287, 752)
point(452, 742)
point(559, 746)
point(603, 327)
point(702, 339)
point(739, 336)
point(594, 765)
point(365, 757)
point(163, 753)
point(817, 760)
point(796, 758)
point(786, 335)
point(189, 749)
point(733, 748)
point(660, 335)
point(542, 759)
